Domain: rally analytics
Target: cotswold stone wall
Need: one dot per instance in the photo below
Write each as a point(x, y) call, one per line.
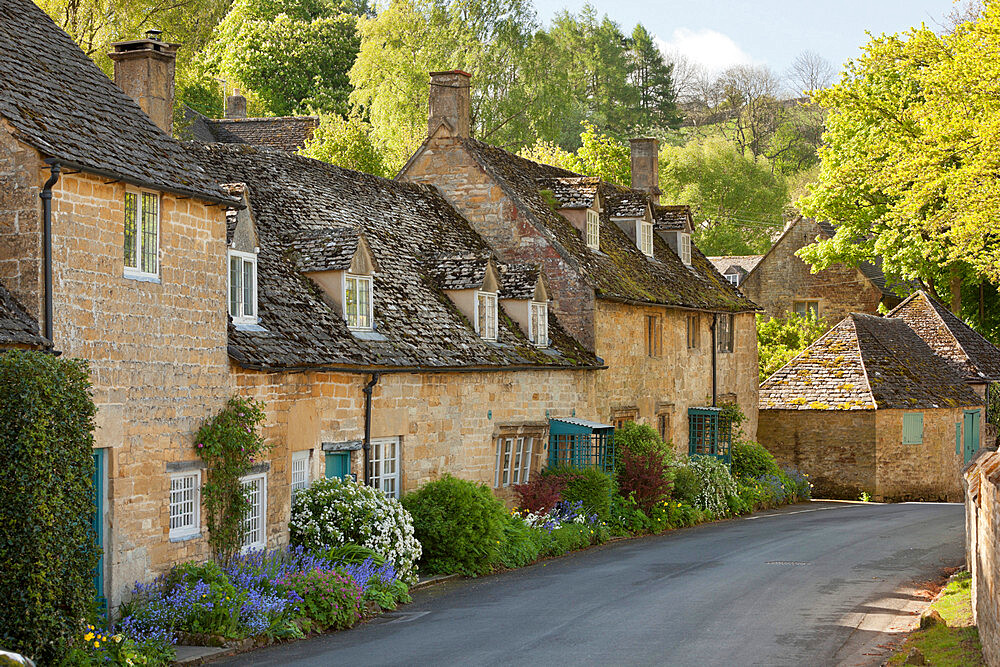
point(445, 164)
point(836, 448)
point(782, 278)
point(157, 350)
point(982, 538)
point(679, 377)
point(445, 422)
point(929, 471)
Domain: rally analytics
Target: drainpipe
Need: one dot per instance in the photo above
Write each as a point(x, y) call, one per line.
point(46, 196)
point(367, 446)
point(715, 363)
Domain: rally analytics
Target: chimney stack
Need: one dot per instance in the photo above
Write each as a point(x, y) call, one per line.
point(144, 69)
point(236, 105)
point(646, 166)
point(450, 102)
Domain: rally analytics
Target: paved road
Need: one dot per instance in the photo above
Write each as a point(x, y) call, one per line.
point(810, 586)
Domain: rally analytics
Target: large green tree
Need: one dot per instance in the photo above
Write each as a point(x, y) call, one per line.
point(652, 80)
point(911, 158)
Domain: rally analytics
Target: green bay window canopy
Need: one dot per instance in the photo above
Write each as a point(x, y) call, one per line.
point(580, 443)
point(709, 433)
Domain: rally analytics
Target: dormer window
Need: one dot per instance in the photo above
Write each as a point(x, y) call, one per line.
point(644, 237)
point(486, 315)
point(733, 279)
point(243, 287)
point(358, 301)
point(593, 229)
point(538, 324)
point(684, 247)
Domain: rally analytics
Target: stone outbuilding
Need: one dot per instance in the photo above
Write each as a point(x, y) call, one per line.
point(781, 283)
point(869, 407)
point(624, 277)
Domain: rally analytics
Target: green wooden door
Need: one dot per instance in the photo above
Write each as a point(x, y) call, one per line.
point(971, 433)
point(97, 521)
point(338, 464)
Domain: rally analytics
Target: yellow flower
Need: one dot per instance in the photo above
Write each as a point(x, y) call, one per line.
point(97, 644)
point(87, 637)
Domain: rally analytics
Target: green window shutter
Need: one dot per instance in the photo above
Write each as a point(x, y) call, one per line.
point(913, 428)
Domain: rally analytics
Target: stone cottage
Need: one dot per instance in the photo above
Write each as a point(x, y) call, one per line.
point(781, 283)
point(383, 335)
point(115, 242)
point(624, 278)
point(735, 268)
point(869, 407)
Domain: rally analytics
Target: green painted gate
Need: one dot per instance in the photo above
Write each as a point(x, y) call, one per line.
point(338, 464)
point(97, 522)
point(972, 418)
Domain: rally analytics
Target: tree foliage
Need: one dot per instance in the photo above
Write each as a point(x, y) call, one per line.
point(779, 340)
point(346, 142)
point(911, 153)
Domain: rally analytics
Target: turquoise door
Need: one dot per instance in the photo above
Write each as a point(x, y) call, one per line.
point(338, 464)
point(97, 521)
point(971, 434)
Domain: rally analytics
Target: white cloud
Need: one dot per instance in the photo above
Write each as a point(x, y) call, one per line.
point(709, 48)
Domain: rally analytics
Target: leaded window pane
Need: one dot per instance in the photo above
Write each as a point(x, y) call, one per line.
point(150, 228)
point(248, 287)
point(235, 287)
point(131, 218)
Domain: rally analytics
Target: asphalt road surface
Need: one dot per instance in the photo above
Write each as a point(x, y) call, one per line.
point(816, 584)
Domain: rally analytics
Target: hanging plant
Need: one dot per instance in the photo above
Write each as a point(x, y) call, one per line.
point(229, 444)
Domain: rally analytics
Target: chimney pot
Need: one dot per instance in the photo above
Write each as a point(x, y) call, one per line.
point(646, 166)
point(144, 69)
point(450, 102)
point(236, 105)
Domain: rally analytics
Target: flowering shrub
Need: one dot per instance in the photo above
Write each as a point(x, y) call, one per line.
point(540, 494)
point(716, 484)
point(333, 512)
point(801, 487)
point(329, 598)
point(589, 485)
point(645, 476)
point(564, 512)
point(95, 646)
point(751, 460)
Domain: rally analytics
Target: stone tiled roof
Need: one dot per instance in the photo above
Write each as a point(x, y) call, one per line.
point(571, 191)
point(672, 218)
point(407, 227)
point(286, 133)
point(627, 204)
point(518, 281)
point(866, 362)
point(974, 357)
point(16, 326)
point(459, 271)
point(619, 270)
point(329, 249)
point(742, 264)
point(871, 270)
point(59, 102)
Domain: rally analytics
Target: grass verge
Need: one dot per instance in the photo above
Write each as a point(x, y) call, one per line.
point(954, 643)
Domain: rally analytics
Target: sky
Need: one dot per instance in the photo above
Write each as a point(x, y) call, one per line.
point(719, 33)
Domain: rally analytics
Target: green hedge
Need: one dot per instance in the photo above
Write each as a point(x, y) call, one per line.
point(590, 486)
point(47, 546)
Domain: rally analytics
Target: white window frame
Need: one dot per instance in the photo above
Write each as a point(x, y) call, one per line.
point(538, 323)
point(387, 482)
point(490, 318)
point(303, 461)
point(192, 528)
point(593, 229)
point(260, 509)
point(684, 247)
point(368, 315)
point(644, 237)
point(733, 279)
point(141, 198)
point(244, 257)
point(513, 463)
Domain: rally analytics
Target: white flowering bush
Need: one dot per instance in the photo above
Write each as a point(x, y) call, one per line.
point(334, 512)
point(717, 484)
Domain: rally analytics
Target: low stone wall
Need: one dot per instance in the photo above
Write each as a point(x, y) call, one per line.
point(982, 535)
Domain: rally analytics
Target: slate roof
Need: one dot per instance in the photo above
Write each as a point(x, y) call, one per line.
point(59, 102)
point(627, 204)
point(16, 326)
point(407, 227)
point(741, 264)
point(975, 358)
point(672, 218)
point(620, 270)
point(286, 133)
point(866, 362)
point(458, 271)
point(571, 191)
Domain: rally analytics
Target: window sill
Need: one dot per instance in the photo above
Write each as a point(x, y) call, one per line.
point(185, 538)
point(248, 326)
point(142, 277)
